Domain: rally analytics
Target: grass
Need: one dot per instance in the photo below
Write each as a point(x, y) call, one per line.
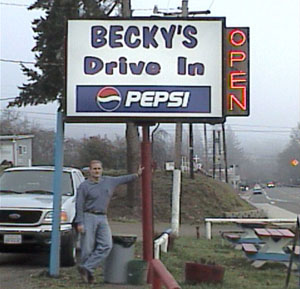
point(200, 197)
point(239, 274)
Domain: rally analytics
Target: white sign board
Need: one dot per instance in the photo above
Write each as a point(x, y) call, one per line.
point(143, 68)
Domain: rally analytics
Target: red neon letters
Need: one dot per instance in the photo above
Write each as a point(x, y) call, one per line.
point(237, 72)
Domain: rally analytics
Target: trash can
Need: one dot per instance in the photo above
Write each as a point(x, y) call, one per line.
point(115, 269)
point(137, 272)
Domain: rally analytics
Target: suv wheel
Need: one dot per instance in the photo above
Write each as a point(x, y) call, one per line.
point(68, 251)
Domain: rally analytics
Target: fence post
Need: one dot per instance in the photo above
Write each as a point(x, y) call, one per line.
point(208, 230)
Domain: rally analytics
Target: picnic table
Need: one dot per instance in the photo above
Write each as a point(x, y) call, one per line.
point(275, 241)
point(245, 234)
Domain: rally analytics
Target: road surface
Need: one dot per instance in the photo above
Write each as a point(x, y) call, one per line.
point(287, 198)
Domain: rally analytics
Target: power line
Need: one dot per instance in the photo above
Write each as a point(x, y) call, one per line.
point(211, 4)
point(7, 98)
point(13, 4)
point(33, 112)
point(29, 62)
point(253, 125)
point(16, 61)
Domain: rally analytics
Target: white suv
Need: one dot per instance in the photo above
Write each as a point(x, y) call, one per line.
point(26, 209)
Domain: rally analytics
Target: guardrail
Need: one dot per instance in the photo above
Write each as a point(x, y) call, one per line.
point(161, 276)
point(209, 221)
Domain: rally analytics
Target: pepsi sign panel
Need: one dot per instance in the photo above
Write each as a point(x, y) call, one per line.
point(160, 70)
point(148, 100)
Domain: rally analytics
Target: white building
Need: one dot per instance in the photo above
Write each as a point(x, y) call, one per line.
point(16, 149)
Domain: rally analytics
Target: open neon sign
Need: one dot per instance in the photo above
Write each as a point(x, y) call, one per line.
point(237, 72)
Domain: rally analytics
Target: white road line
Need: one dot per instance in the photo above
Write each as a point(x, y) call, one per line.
point(276, 200)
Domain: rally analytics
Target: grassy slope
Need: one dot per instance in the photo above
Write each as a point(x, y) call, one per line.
point(201, 197)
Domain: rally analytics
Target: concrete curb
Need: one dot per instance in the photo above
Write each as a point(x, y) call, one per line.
point(255, 214)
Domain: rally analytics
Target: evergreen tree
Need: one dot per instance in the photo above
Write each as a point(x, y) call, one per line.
point(288, 172)
point(46, 80)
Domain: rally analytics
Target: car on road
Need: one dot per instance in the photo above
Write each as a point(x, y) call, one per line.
point(270, 185)
point(257, 190)
point(26, 210)
point(244, 187)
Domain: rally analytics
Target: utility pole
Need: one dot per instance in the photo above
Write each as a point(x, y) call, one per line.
point(178, 137)
point(126, 8)
point(177, 162)
point(225, 153)
point(178, 141)
point(132, 136)
point(191, 151)
point(206, 149)
point(176, 181)
point(219, 155)
point(185, 8)
point(214, 153)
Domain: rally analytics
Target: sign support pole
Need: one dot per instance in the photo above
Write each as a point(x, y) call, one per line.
point(57, 176)
point(147, 196)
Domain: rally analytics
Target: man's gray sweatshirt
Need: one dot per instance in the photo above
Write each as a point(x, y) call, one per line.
point(93, 196)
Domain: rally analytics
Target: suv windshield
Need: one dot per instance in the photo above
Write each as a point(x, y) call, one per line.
point(33, 182)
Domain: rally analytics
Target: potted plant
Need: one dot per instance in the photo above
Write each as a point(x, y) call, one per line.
point(206, 272)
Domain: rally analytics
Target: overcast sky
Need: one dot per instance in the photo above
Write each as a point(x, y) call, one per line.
point(274, 60)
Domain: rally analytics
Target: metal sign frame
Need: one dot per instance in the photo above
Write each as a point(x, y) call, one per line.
point(99, 90)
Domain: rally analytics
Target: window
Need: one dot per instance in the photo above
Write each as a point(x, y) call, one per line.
point(22, 149)
point(34, 180)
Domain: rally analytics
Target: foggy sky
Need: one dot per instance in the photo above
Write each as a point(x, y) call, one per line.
point(274, 64)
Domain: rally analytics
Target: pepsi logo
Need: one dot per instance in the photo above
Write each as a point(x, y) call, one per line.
point(108, 98)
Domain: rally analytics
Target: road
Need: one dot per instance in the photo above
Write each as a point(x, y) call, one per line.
point(16, 269)
point(287, 198)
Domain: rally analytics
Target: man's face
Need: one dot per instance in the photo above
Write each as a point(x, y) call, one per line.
point(96, 170)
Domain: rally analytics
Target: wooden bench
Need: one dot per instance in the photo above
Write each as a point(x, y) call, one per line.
point(240, 237)
point(249, 248)
point(232, 236)
point(286, 233)
point(274, 233)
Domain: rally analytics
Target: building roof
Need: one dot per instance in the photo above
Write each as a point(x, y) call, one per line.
point(16, 137)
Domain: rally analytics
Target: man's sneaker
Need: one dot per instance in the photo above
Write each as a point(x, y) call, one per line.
point(84, 273)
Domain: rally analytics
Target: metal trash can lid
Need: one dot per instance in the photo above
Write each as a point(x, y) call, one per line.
point(124, 240)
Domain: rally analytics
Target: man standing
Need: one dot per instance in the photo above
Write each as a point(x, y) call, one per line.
point(92, 201)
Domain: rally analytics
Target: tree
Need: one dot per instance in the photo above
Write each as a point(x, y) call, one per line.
point(46, 80)
point(162, 148)
point(71, 152)
point(11, 122)
point(133, 160)
point(237, 156)
point(43, 146)
point(96, 147)
point(286, 171)
point(119, 153)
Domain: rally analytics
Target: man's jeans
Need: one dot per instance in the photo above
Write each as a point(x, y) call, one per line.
point(96, 241)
